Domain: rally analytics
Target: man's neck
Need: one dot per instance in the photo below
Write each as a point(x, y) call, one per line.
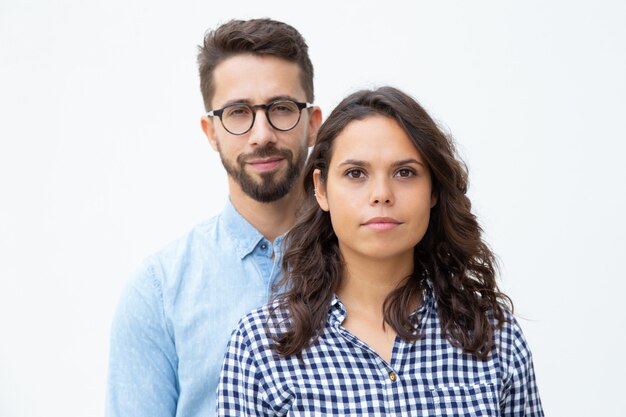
point(270, 219)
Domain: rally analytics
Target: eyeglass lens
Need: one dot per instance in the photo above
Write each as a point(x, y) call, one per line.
point(282, 115)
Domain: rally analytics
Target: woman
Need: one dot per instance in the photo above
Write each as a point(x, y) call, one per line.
point(390, 305)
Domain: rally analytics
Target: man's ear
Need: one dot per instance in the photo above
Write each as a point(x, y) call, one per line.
point(320, 190)
point(209, 130)
point(315, 121)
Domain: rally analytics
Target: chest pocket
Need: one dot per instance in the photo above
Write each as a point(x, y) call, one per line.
point(465, 400)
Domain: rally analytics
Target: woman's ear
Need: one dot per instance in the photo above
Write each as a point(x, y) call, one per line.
point(320, 190)
point(433, 199)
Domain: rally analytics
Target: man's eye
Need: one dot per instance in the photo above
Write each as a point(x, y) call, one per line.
point(283, 108)
point(238, 112)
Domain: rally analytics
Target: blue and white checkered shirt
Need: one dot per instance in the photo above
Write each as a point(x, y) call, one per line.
point(341, 376)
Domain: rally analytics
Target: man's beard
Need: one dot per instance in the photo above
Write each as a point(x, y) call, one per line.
point(270, 188)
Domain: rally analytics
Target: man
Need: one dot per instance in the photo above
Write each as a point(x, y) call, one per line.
point(175, 317)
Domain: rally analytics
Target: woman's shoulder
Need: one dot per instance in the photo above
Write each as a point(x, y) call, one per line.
point(510, 340)
point(510, 329)
point(253, 328)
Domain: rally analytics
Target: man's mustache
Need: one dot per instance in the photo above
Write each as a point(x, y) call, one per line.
point(265, 152)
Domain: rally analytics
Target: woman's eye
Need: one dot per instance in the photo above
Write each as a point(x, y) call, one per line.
point(405, 173)
point(355, 173)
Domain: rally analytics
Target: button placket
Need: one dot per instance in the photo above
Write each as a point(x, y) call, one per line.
point(263, 261)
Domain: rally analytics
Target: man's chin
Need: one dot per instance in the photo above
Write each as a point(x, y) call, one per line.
point(265, 180)
point(265, 194)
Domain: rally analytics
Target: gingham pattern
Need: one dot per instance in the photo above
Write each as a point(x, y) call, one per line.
point(341, 376)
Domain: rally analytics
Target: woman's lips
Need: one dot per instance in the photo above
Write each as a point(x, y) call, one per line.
point(382, 223)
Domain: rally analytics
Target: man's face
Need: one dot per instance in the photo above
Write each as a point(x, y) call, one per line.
point(263, 163)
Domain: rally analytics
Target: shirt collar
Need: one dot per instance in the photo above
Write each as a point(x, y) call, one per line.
point(337, 311)
point(243, 234)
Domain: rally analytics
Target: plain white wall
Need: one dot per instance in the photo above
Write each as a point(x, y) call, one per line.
point(102, 162)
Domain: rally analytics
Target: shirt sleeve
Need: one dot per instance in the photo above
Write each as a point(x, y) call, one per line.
point(520, 396)
point(241, 390)
point(142, 377)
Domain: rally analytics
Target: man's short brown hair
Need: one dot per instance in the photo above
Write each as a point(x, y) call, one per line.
point(255, 36)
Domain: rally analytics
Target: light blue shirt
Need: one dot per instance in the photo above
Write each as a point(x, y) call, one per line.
point(176, 315)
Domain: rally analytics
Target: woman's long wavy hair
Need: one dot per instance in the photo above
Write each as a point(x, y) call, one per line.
point(452, 254)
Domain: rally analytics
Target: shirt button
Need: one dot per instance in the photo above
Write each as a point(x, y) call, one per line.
point(263, 246)
point(393, 376)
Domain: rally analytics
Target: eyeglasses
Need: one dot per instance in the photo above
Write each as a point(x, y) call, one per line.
point(238, 118)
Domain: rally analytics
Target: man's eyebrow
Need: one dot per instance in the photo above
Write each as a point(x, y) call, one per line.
point(282, 98)
point(249, 102)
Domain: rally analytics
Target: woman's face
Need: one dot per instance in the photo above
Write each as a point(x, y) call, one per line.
point(378, 191)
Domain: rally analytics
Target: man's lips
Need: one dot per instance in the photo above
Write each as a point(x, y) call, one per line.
point(382, 223)
point(265, 164)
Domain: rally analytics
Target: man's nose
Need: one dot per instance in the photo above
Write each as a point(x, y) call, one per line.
point(262, 131)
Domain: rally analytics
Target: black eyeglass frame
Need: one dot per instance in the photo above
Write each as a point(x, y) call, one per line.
point(265, 107)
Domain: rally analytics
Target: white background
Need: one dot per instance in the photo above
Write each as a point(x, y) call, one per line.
point(102, 162)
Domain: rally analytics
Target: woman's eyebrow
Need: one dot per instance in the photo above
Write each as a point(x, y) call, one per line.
point(355, 162)
point(360, 163)
point(407, 161)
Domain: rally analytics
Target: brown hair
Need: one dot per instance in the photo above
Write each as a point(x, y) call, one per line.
point(255, 36)
point(452, 254)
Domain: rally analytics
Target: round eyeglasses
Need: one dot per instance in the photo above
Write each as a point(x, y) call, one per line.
point(238, 118)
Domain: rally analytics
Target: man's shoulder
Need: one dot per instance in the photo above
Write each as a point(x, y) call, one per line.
point(200, 235)
point(183, 251)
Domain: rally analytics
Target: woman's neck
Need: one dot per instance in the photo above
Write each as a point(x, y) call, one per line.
point(365, 285)
point(367, 282)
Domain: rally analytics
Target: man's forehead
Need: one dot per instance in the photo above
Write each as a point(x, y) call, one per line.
point(256, 79)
